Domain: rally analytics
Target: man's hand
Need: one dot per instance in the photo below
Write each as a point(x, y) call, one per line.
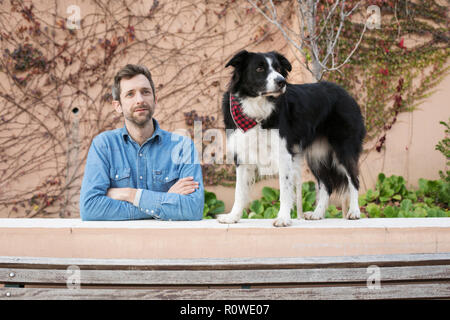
point(123, 194)
point(184, 186)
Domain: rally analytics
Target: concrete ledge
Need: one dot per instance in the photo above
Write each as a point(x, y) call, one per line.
point(150, 239)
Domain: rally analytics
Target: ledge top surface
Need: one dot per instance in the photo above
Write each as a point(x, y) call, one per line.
point(213, 224)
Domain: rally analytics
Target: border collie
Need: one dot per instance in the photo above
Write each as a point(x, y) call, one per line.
point(320, 122)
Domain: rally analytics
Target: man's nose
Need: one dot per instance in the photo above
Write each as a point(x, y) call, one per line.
point(139, 98)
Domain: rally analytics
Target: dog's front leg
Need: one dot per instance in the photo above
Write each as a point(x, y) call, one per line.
point(245, 176)
point(287, 181)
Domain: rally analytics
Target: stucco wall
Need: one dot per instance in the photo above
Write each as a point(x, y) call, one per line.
point(190, 75)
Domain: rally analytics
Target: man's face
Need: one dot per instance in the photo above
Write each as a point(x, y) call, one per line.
point(137, 100)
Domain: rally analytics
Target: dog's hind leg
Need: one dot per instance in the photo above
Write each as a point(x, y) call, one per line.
point(353, 211)
point(322, 204)
point(245, 176)
point(350, 170)
point(345, 200)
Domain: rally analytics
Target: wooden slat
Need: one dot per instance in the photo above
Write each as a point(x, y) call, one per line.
point(228, 264)
point(229, 277)
point(410, 291)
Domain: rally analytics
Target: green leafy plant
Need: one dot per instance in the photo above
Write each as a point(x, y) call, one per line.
point(392, 199)
point(434, 192)
point(444, 147)
point(212, 206)
point(268, 206)
point(265, 208)
point(388, 190)
point(333, 212)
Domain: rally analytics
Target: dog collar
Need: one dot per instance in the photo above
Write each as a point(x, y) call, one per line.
point(241, 120)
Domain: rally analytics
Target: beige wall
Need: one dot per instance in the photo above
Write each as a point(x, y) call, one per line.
point(189, 73)
point(410, 144)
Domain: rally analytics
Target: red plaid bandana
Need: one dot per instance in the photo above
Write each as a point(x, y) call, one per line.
point(241, 120)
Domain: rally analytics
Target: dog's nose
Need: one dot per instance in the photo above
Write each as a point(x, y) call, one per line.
point(280, 81)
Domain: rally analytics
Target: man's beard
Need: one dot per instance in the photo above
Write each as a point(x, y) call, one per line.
point(140, 121)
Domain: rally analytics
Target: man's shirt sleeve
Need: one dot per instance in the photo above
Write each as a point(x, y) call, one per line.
point(94, 204)
point(173, 206)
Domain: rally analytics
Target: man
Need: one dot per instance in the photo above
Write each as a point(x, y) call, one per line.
point(140, 171)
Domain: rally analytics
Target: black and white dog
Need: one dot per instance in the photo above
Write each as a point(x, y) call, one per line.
point(319, 121)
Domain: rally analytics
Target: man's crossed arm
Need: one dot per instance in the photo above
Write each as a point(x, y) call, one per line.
point(98, 201)
point(183, 186)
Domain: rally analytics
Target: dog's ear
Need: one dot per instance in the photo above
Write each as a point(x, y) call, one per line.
point(238, 59)
point(283, 61)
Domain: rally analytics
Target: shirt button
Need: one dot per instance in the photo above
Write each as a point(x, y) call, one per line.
point(140, 154)
point(167, 178)
point(152, 211)
point(146, 211)
point(117, 176)
point(140, 177)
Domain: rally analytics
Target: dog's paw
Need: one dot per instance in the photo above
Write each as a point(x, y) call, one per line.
point(353, 214)
point(282, 222)
point(227, 218)
point(313, 215)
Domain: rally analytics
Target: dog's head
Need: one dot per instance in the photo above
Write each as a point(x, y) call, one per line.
point(259, 74)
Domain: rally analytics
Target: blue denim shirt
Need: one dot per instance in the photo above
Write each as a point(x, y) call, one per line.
point(116, 161)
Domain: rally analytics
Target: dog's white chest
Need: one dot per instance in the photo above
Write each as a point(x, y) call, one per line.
point(258, 108)
point(257, 146)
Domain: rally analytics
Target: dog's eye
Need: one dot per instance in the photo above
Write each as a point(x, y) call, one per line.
point(278, 69)
point(260, 69)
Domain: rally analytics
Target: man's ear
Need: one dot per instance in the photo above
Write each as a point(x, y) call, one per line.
point(117, 106)
point(284, 62)
point(238, 59)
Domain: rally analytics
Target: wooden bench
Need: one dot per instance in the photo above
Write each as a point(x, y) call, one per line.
point(401, 276)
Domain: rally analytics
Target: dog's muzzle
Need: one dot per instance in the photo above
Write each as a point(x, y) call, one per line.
point(280, 87)
point(280, 82)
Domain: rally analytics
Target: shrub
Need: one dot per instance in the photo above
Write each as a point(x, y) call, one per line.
point(391, 199)
point(212, 206)
point(444, 147)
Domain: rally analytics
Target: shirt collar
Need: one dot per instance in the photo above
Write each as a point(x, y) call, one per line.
point(157, 133)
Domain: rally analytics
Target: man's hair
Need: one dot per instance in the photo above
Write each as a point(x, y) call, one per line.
point(128, 72)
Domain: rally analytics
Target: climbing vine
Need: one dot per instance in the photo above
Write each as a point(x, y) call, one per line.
point(397, 65)
point(55, 79)
point(57, 66)
point(213, 173)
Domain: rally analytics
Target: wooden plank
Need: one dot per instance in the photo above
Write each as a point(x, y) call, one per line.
point(409, 291)
point(228, 264)
point(229, 277)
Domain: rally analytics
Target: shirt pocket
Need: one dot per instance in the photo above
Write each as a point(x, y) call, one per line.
point(163, 180)
point(120, 177)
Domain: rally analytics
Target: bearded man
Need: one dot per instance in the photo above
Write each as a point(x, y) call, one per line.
point(140, 171)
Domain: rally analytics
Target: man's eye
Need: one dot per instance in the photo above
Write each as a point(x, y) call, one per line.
point(260, 69)
point(129, 94)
